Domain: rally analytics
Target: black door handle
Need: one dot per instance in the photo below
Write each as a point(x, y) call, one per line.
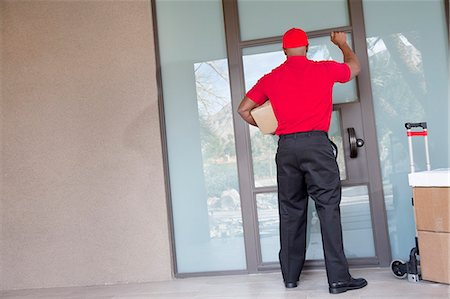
point(354, 142)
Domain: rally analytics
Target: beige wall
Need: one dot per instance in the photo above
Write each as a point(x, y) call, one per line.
point(83, 186)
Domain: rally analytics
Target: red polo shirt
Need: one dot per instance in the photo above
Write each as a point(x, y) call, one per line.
point(300, 91)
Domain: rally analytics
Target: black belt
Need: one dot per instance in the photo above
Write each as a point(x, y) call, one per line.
point(304, 134)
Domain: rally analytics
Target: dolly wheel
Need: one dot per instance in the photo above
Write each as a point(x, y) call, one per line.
point(399, 269)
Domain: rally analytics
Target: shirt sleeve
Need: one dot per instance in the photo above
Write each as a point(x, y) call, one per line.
point(340, 72)
point(257, 93)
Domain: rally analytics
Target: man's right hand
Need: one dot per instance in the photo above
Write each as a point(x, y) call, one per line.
point(350, 58)
point(338, 38)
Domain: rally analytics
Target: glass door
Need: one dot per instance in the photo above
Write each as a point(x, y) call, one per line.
point(365, 237)
point(356, 215)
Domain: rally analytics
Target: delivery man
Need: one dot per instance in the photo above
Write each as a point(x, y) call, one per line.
point(300, 91)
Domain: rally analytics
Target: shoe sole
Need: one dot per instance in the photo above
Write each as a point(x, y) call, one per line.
point(345, 289)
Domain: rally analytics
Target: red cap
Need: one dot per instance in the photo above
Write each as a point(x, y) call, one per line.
point(294, 38)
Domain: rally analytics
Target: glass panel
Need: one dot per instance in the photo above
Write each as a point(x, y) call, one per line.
point(408, 58)
point(259, 19)
point(335, 135)
point(264, 148)
point(200, 137)
point(268, 224)
point(356, 226)
point(262, 59)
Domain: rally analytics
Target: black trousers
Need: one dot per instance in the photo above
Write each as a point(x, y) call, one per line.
point(306, 166)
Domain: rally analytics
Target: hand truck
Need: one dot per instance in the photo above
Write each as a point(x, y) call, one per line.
point(399, 268)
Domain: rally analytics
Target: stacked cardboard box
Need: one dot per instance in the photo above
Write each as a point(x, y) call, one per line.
point(432, 210)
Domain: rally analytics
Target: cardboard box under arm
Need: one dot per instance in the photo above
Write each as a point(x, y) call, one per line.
point(265, 118)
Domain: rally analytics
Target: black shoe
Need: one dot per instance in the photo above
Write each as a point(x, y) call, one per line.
point(344, 286)
point(290, 285)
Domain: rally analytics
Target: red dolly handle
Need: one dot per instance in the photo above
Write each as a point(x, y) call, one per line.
point(410, 134)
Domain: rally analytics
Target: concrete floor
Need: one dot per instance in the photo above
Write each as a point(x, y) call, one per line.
point(382, 285)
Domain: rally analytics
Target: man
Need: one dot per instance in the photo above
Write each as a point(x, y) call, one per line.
point(300, 91)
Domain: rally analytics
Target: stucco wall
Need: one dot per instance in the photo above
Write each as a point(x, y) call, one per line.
point(83, 185)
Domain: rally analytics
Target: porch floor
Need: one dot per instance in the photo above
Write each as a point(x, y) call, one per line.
point(382, 285)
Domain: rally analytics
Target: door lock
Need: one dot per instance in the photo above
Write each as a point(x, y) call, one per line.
point(354, 142)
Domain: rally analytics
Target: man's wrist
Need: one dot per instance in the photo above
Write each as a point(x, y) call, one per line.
point(343, 45)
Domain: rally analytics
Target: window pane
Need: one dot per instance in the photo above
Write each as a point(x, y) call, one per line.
point(200, 137)
point(259, 19)
point(335, 135)
point(261, 60)
point(356, 226)
point(408, 57)
point(264, 148)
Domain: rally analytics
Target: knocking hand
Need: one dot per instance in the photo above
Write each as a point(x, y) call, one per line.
point(338, 38)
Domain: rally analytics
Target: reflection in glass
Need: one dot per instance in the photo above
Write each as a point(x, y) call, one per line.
point(218, 149)
point(264, 148)
point(207, 221)
point(335, 135)
point(408, 58)
point(356, 226)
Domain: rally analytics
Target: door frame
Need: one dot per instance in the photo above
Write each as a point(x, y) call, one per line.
point(242, 135)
